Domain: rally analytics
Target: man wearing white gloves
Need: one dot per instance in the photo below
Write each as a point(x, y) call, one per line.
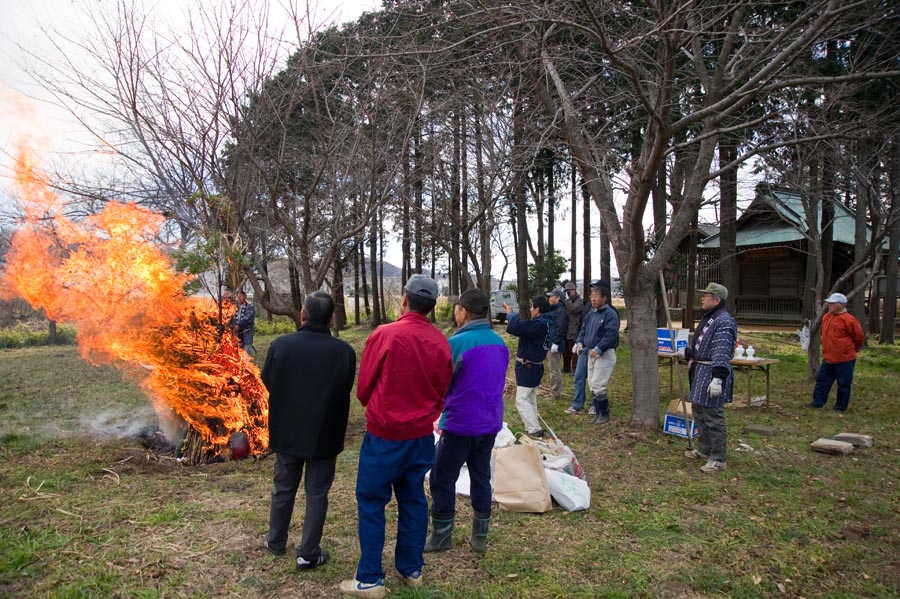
point(710, 375)
point(558, 341)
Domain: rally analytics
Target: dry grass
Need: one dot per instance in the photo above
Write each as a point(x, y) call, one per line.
point(90, 514)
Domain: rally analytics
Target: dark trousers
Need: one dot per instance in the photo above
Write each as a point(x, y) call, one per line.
point(568, 357)
point(711, 428)
point(828, 373)
point(398, 466)
point(288, 472)
point(452, 452)
point(581, 371)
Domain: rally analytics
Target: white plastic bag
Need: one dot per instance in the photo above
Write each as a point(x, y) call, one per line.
point(571, 493)
point(556, 455)
point(504, 438)
point(804, 336)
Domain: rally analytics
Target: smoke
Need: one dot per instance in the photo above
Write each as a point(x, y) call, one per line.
point(117, 423)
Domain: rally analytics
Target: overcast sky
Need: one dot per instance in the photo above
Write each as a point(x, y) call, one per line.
point(26, 26)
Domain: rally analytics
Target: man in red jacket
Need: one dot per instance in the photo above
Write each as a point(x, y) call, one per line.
point(403, 376)
point(842, 337)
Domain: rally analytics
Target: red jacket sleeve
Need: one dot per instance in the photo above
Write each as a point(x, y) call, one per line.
point(370, 367)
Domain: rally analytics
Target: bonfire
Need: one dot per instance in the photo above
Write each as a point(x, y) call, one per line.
point(108, 275)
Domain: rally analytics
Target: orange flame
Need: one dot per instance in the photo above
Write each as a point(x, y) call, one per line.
point(108, 276)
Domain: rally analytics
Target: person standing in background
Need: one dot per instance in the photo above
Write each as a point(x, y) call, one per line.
point(574, 307)
point(534, 341)
point(842, 338)
point(243, 323)
point(558, 341)
point(596, 346)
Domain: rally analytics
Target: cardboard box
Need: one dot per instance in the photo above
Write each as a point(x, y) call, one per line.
point(664, 340)
point(677, 425)
point(674, 407)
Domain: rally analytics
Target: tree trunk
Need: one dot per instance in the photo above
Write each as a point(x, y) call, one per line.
point(551, 210)
point(365, 283)
point(419, 190)
point(641, 312)
point(356, 288)
point(659, 231)
point(574, 240)
point(857, 302)
point(340, 307)
point(381, 237)
point(373, 272)
point(455, 216)
point(888, 322)
point(828, 201)
point(521, 220)
point(728, 215)
point(691, 292)
point(586, 239)
point(405, 241)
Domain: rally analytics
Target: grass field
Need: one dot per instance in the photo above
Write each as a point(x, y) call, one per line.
point(89, 512)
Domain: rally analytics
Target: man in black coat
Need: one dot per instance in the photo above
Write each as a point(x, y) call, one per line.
point(309, 375)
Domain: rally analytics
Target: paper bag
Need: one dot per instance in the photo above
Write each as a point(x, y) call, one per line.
point(520, 484)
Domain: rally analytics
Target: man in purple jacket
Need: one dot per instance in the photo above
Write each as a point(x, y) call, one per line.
point(473, 415)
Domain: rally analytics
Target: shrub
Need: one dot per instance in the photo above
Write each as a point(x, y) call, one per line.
point(22, 335)
point(280, 325)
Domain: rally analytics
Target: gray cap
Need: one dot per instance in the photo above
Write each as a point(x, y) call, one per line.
point(716, 289)
point(570, 285)
point(558, 293)
point(836, 298)
point(422, 286)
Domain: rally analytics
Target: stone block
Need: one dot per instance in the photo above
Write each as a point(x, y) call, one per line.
point(832, 446)
point(855, 439)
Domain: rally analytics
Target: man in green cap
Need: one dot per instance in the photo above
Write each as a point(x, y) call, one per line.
point(711, 377)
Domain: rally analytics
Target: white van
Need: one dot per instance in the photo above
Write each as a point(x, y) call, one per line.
point(500, 297)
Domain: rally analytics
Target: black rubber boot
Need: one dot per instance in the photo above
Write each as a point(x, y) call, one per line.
point(602, 410)
point(481, 523)
point(441, 537)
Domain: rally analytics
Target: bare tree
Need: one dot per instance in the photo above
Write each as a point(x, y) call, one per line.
point(688, 67)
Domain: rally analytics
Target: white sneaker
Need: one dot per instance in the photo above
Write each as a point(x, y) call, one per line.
point(592, 411)
point(712, 466)
point(355, 588)
point(414, 579)
point(695, 454)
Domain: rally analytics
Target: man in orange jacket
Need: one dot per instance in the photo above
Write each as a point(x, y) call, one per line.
point(842, 337)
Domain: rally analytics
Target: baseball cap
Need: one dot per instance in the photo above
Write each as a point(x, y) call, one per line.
point(558, 293)
point(422, 286)
point(716, 289)
point(836, 298)
point(598, 283)
point(569, 285)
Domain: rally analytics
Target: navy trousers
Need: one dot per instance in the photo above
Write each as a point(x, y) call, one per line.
point(384, 467)
point(452, 452)
point(828, 373)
